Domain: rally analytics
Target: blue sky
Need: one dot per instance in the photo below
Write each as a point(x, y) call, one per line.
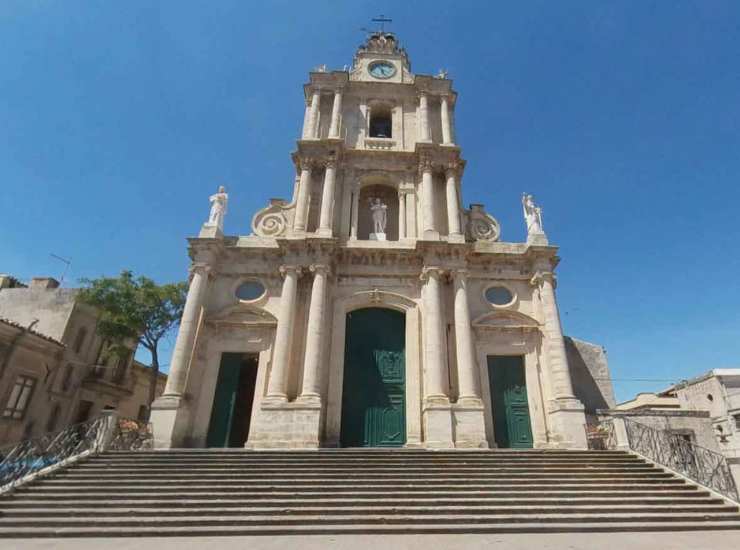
point(118, 119)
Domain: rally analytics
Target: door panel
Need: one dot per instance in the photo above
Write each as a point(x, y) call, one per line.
point(232, 401)
point(374, 389)
point(509, 405)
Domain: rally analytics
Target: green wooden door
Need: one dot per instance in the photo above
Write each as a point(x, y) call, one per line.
point(374, 388)
point(224, 400)
point(510, 407)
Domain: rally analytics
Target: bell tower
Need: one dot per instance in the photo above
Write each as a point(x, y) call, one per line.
point(374, 132)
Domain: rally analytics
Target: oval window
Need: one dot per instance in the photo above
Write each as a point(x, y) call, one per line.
point(249, 291)
point(499, 295)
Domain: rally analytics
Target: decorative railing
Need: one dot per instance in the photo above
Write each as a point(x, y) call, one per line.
point(695, 462)
point(24, 460)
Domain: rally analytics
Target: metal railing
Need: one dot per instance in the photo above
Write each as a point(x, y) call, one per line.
point(704, 466)
point(22, 461)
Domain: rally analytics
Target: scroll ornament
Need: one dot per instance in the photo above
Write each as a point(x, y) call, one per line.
point(271, 220)
point(481, 225)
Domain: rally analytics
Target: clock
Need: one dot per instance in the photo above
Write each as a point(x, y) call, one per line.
point(381, 69)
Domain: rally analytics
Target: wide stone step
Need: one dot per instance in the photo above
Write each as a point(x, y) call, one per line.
point(367, 519)
point(456, 527)
point(350, 472)
point(102, 464)
point(177, 493)
point(221, 512)
point(357, 499)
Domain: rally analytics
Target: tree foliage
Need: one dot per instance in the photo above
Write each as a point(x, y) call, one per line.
point(135, 309)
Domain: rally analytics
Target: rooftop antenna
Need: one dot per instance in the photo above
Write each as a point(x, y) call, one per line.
point(66, 263)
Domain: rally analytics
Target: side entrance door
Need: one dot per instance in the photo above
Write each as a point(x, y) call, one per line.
point(232, 401)
point(509, 405)
point(374, 387)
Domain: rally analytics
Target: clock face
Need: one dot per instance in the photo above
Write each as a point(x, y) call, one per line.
point(381, 69)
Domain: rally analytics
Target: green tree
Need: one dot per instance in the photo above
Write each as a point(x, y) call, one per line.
point(135, 309)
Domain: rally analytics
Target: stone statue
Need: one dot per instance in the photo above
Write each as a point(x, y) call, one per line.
point(442, 73)
point(532, 215)
point(218, 208)
point(380, 218)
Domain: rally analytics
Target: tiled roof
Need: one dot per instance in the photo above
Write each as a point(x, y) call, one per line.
point(31, 331)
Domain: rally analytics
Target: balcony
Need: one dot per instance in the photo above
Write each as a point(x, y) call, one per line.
point(380, 144)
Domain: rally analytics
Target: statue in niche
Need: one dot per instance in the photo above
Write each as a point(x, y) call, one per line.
point(532, 215)
point(379, 213)
point(218, 208)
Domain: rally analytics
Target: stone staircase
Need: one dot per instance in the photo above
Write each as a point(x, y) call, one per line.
point(225, 492)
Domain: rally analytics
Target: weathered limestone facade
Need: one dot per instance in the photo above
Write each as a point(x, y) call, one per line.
point(375, 131)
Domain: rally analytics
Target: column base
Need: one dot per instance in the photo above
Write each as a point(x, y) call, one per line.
point(468, 420)
point(430, 235)
point(282, 425)
point(163, 417)
point(567, 423)
point(456, 238)
point(324, 232)
point(437, 424)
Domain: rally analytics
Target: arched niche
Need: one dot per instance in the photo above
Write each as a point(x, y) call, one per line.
point(377, 187)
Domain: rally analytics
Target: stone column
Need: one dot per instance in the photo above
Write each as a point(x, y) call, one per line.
point(427, 201)
point(467, 365)
point(276, 386)
point(411, 215)
point(313, 115)
point(311, 390)
point(336, 114)
point(565, 412)
point(445, 115)
point(435, 339)
point(453, 207)
point(186, 335)
point(326, 219)
point(424, 133)
point(556, 356)
point(301, 207)
point(401, 215)
point(355, 211)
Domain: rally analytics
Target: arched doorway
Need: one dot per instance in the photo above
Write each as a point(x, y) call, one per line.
point(374, 387)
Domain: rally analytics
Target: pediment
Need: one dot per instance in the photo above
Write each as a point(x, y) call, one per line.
point(242, 314)
point(506, 320)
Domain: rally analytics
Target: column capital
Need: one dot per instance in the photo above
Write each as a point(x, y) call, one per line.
point(306, 163)
point(542, 276)
point(330, 162)
point(203, 268)
point(286, 269)
point(432, 271)
point(425, 165)
point(452, 169)
point(460, 273)
point(324, 269)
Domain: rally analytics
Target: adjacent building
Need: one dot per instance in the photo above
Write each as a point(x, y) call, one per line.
point(372, 309)
point(54, 370)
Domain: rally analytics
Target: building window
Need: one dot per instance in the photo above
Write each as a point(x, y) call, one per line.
point(53, 420)
point(80, 339)
point(68, 374)
point(710, 397)
point(499, 296)
point(20, 397)
point(120, 371)
point(250, 291)
point(381, 122)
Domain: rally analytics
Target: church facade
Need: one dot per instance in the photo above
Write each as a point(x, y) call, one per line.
point(372, 309)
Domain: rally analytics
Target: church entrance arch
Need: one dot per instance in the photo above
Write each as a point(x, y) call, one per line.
point(374, 385)
point(232, 403)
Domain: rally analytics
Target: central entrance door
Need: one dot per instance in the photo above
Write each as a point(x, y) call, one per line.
point(510, 407)
point(232, 402)
point(374, 390)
